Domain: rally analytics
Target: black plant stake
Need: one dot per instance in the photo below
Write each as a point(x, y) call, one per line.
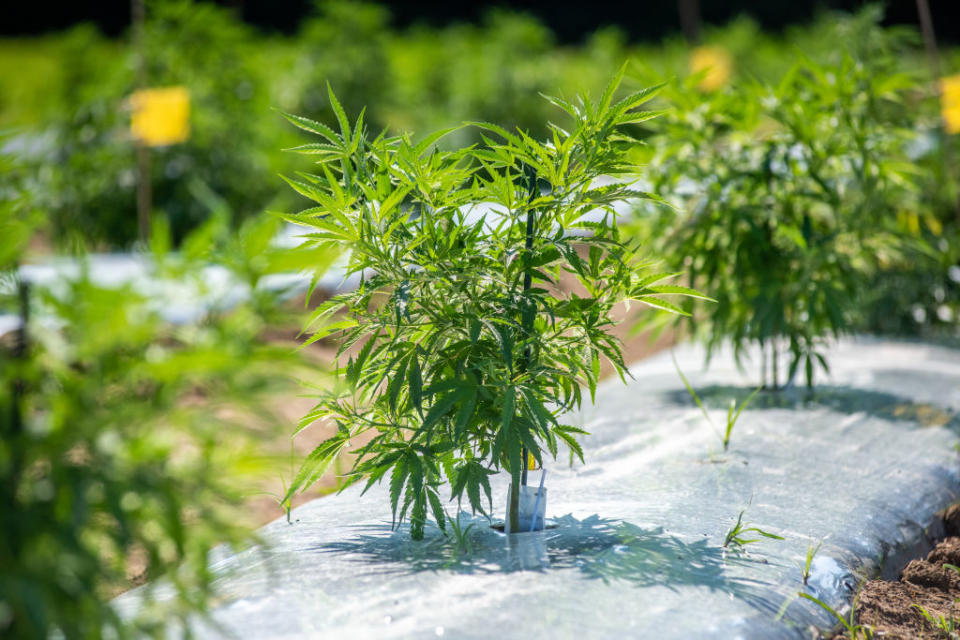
point(526, 321)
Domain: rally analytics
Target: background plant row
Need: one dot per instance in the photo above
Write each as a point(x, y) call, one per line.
point(66, 94)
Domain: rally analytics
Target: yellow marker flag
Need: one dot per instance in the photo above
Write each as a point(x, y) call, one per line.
point(531, 462)
point(950, 103)
point(160, 117)
point(718, 64)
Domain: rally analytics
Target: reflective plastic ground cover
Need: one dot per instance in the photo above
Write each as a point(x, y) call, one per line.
point(637, 549)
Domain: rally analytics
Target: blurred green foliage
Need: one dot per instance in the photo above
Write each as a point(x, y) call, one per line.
point(86, 159)
point(126, 443)
point(346, 44)
point(73, 127)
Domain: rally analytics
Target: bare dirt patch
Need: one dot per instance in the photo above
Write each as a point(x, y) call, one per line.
point(895, 610)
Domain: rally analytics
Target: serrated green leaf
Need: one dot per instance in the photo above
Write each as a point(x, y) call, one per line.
point(340, 114)
point(415, 382)
point(438, 513)
point(314, 127)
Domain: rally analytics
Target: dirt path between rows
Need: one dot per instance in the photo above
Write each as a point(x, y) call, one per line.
point(925, 602)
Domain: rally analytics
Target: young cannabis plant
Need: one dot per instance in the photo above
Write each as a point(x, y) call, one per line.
point(733, 413)
point(467, 353)
point(735, 540)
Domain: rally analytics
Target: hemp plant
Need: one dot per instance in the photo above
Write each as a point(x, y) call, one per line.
point(789, 196)
point(467, 353)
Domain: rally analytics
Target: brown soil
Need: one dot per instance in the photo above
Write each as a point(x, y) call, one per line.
point(892, 610)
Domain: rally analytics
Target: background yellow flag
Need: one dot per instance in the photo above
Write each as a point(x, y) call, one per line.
point(716, 62)
point(160, 116)
point(950, 107)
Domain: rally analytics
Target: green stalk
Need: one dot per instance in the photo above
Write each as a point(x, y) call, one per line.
point(514, 514)
point(776, 364)
point(763, 363)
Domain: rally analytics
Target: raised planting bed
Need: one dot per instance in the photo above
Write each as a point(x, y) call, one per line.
point(638, 550)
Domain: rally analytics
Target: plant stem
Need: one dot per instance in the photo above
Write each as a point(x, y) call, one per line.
point(776, 363)
point(763, 364)
point(513, 515)
point(689, 11)
point(519, 477)
point(144, 174)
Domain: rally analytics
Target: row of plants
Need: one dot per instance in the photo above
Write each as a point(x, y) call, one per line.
point(466, 356)
point(417, 79)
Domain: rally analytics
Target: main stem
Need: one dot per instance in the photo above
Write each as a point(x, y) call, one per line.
point(776, 364)
point(526, 320)
point(763, 364)
point(689, 11)
point(514, 513)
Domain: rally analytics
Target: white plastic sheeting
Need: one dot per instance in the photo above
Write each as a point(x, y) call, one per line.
point(177, 300)
point(637, 548)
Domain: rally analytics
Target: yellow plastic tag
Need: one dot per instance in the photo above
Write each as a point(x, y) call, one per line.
point(531, 462)
point(950, 103)
point(160, 117)
point(718, 64)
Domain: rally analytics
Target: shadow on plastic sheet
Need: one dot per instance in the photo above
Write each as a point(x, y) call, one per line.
point(608, 550)
point(842, 399)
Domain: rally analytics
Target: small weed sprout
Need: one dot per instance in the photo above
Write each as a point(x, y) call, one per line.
point(284, 500)
point(733, 413)
point(947, 627)
point(805, 567)
point(461, 535)
point(735, 540)
point(854, 631)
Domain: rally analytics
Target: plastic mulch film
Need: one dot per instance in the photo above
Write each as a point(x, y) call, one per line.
point(861, 465)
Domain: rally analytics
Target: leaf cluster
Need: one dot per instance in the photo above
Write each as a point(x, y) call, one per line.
point(125, 448)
